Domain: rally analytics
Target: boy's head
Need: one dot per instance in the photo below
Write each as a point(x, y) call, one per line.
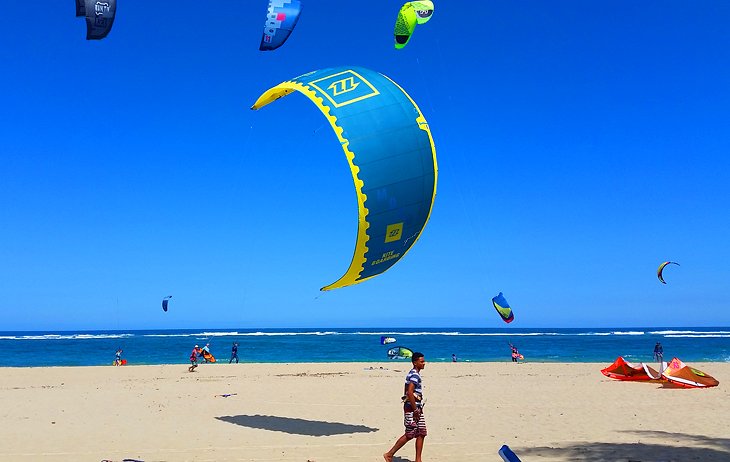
point(418, 360)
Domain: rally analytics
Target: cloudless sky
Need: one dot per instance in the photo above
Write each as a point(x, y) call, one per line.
point(579, 144)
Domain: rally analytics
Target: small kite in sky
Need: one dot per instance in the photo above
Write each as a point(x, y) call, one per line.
point(281, 18)
point(503, 308)
point(99, 16)
point(410, 14)
point(660, 271)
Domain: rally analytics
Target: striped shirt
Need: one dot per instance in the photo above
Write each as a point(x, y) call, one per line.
point(415, 378)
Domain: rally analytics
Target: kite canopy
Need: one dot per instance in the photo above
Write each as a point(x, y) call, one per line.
point(386, 340)
point(661, 270)
point(80, 8)
point(281, 18)
point(405, 24)
point(392, 159)
point(165, 301)
point(424, 10)
point(99, 17)
point(623, 370)
point(503, 308)
point(679, 374)
point(400, 353)
point(410, 14)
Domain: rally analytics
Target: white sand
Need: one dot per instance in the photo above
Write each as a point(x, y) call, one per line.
point(347, 412)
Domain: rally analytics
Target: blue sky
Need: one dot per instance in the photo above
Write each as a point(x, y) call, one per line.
point(580, 144)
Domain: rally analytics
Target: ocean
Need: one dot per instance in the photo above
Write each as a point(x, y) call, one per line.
point(96, 348)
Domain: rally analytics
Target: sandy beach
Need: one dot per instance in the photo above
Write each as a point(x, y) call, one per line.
point(351, 412)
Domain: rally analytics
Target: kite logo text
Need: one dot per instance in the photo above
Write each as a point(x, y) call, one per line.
point(343, 86)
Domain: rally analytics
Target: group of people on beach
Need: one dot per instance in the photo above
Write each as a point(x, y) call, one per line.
point(412, 399)
point(198, 352)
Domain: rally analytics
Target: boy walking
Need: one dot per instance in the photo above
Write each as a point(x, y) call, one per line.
point(413, 418)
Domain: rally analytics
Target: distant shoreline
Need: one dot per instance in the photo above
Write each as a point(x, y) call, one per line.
point(276, 346)
point(375, 365)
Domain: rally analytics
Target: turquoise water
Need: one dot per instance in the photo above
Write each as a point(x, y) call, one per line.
point(92, 348)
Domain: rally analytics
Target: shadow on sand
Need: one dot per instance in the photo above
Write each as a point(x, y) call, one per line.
point(687, 448)
point(295, 426)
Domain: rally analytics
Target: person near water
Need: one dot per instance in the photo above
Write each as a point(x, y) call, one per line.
point(453, 357)
point(206, 348)
point(413, 418)
point(234, 353)
point(516, 356)
point(118, 358)
point(658, 352)
point(194, 358)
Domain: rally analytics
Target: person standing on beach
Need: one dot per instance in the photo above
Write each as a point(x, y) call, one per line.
point(453, 357)
point(118, 359)
point(194, 358)
point(658, 352)
point(234, 353)
point(516, 356)
point(413, 418)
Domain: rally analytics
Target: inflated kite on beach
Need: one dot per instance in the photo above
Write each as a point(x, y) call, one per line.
point(624, 370)
point(400, 353)
point(679, 374)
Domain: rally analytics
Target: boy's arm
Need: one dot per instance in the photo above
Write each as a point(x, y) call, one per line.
point(412, 397)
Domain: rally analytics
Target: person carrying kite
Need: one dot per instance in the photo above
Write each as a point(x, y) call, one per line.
point(516, 356)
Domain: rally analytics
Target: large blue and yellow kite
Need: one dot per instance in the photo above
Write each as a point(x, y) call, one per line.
point(391, 154)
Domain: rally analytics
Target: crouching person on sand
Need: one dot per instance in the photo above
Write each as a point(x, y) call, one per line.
point(413, 418)
point(194, 358)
